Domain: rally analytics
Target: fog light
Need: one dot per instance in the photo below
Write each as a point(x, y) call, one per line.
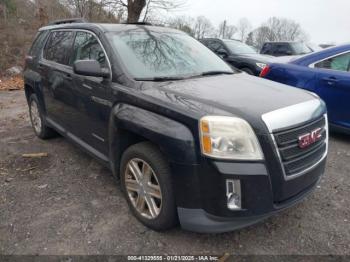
point(233, 193)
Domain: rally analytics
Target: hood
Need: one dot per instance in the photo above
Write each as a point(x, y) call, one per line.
point(238, 95)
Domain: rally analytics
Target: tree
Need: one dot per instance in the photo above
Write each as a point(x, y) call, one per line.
point(137, 9)
point(230, 31)
point(282, 29)
point(7, 7)
point(243, 27)
point(203, 27)
point(183, 23)
point(277, 29)
point(226, 31)
point(250, 39)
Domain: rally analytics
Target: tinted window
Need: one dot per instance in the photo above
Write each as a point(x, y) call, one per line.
point(149, 54)
point(87, 47)
point(214, 45)
point(266, 49)
point(283, 49)
point(38, 43)
point(58, 47)
point(339, 63)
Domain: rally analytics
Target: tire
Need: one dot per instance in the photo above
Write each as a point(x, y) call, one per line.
point(41, 130)
point(248, 71)
point(164, 215)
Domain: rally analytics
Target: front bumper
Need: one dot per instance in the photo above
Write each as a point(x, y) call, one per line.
point(202, 203)
point(198, 220)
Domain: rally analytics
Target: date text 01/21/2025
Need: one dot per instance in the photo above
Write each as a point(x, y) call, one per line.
point(173, 258)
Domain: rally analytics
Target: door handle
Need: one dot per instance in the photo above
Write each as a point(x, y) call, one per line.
point(332, 81)
point(68, 77)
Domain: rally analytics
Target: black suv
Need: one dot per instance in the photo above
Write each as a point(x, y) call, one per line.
point(285, 49)
point(191, 140)
point(238, 54)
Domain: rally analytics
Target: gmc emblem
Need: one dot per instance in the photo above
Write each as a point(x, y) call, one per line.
point(310, 138)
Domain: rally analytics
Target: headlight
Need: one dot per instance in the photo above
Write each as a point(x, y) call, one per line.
point(228, 138)
point(261, 65)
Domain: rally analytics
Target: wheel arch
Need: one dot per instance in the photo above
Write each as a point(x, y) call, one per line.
point(130, 125)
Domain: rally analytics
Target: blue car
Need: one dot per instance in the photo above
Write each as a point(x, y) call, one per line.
point(326, 73)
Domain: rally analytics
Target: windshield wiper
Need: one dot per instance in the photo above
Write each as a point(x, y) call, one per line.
point(177, 78)
point(161, 78)
point(213, 73)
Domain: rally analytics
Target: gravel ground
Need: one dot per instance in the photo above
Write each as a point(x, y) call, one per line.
point(68, 204)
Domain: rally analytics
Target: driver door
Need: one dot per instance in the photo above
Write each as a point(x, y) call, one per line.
point(92, 95)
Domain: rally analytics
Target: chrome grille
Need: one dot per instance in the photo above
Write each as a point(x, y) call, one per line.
point(295, 160)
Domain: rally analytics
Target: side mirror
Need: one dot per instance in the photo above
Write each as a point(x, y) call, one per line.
point(288, 52)
point(222, 53)
point(90, 68)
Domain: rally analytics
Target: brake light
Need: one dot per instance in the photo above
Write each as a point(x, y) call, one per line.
point(265, 71)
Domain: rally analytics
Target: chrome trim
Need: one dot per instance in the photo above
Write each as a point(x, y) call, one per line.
point(98, 137)
point(87, 86)
point(293, 115)
point(233, 189)
point(291, 177)
point(75, 30)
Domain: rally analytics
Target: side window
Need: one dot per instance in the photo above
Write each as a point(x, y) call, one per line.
point(266, 49)
point(87, 47)
point(215, 45)
point(282, 49)
point(58, 47)
point(339, 63)
point(38, 43)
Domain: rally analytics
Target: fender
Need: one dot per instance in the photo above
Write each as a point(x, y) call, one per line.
point(174, 139)
point(33, 80)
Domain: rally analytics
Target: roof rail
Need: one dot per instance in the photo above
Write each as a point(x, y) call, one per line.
point(68, 21)
point(138, 23)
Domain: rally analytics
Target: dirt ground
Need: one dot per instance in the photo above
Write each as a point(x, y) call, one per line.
point(68, 204)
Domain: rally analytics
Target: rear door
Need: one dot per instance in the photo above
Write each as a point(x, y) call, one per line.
point(57, 77)
point(334, 87)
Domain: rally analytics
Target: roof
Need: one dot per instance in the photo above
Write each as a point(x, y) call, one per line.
point(221, 39)
point(309, 58)
point(283, 42)
point(107, 27)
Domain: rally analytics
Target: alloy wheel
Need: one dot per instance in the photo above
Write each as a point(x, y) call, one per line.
point(35, 116)
point(143, 188)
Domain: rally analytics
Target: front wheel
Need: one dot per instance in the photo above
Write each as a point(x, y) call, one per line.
point(146, 182)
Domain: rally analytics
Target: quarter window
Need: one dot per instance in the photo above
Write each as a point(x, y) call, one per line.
point(58, 47)
point(38, 43)
point(339, 63)
point(87, 47)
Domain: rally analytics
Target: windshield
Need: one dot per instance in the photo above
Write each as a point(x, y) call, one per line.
point(237, 47)
point(301, 48)
point(148, 54)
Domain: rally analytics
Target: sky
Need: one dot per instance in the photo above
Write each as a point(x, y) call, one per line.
point(325, 21)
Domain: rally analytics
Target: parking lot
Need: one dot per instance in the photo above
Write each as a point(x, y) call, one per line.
point(67, 203)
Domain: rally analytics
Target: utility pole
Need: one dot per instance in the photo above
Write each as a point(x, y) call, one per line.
point(224, 30)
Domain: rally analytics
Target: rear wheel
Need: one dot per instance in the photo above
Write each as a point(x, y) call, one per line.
point(146, 182)
point(36, 118)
